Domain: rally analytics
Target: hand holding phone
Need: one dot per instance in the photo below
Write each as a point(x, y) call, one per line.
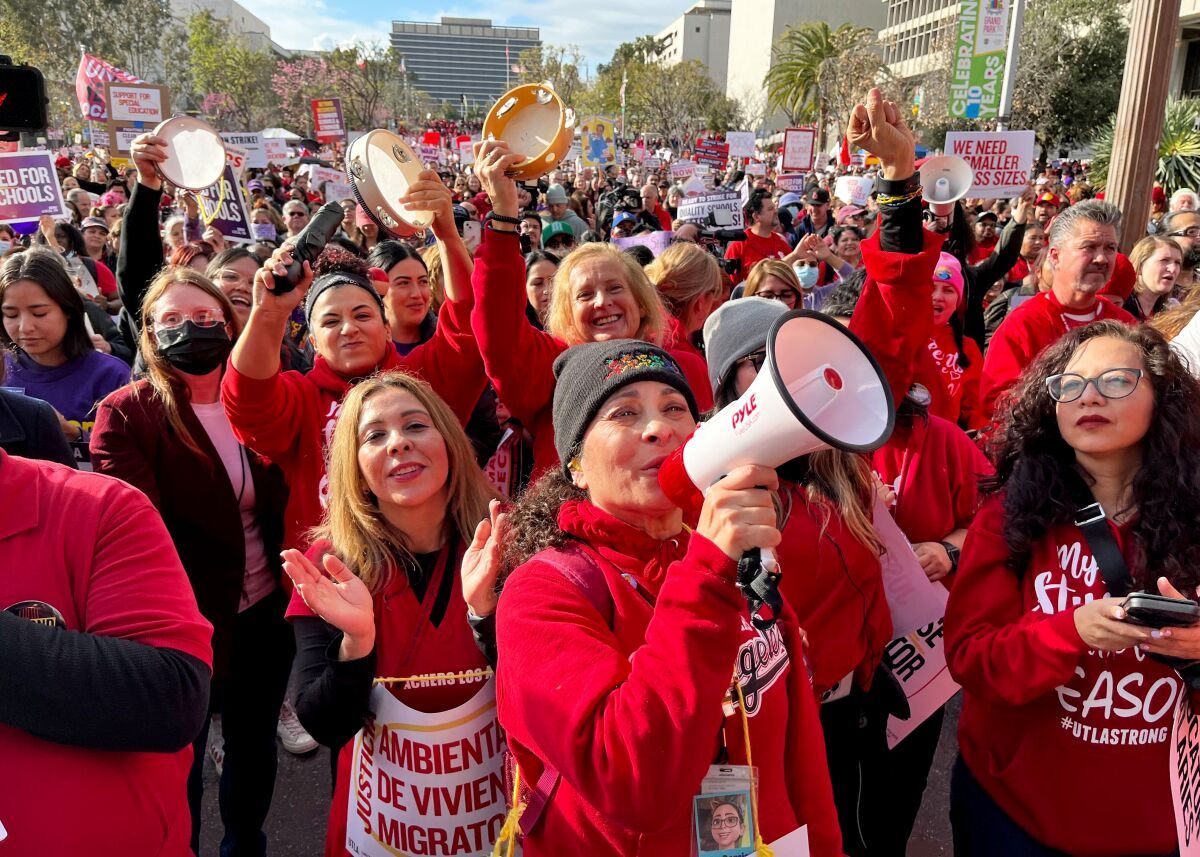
point(1160, 611)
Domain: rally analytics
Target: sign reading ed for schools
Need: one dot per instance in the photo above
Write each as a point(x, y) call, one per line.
point(29, 187)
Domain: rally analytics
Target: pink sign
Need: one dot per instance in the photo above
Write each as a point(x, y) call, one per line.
point(1185, 776)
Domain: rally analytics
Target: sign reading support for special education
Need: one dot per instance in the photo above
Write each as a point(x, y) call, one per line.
point(29, 187)
point(696, 209)
point(133, 109)
point(799, 145)
point(328, 126)
point(256, 154)
point(979, 51)
point(1002, 160)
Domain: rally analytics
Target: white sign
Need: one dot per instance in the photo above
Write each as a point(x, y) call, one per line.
point(653, 162)
point(126, 136)
point(798, 148)
point(1002, 160)
point(466, 153)
point(418, 778)
point(275, 151)
point(795, 844)
point(135, 104)
point(235, 156)
point(1185, 776)
point(854, 190)
point(913, 599)
point(682, 169)
point(756, 168)
point(741, 144)
point(694, 186)
point(918, 661)
point(252, 143)
point(695, 209)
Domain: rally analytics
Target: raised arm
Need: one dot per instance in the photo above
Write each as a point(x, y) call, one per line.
point(141, 253)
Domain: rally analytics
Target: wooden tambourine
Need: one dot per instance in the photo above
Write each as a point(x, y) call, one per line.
point(534, 122)
point(381, 167)
point(195, 153)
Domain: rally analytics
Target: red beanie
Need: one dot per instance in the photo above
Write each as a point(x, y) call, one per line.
point(1121, 283)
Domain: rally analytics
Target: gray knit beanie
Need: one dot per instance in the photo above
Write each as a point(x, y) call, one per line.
point(589, 373)
point(735, 329)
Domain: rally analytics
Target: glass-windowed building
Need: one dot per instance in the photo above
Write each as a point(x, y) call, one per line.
point(462, 57)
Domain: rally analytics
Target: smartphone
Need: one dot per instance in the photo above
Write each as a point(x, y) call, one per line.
point(1159, 611)
point(472, 234)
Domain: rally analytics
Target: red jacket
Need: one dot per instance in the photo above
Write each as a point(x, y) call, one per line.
point(290, 417)
point(961, 401)
point(631, 713)
point(519, 358)
point(833, 582)
point(1072, 744)
point(1027, 331)
point(753, 250)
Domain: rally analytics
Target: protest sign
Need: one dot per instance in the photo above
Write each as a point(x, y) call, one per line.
point(979, 51)
point(1185, 776)
point(235, 156)
point(1001, 160)
point(232, 216)
point(328, 125)
point(913, 599)
point(275, 150)
point(133, 109)
point(798, 149)
point(712, 153)
point(656, 241)
point(466, 153)
point(29, 187)
point(682, 169)
point(756, 168)
point(854, 190)
point(420, 778)
point(695, 209)
point(90, 78)
point(256, 154)
point(597, 139)
point(694, 186)
point(653, 163)
point(574, 153)
point(918, 661)
point(790, 181)
point(334, 184)
point(741, 144)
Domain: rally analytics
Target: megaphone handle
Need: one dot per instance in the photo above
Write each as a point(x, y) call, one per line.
point(758, 578)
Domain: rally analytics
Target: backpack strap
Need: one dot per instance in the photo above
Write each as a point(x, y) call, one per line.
point(577, 565)
point(1094, 526)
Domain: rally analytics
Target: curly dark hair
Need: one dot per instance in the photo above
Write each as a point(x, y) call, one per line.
point(534, 520)
point(335, 258)
point(1043, 486)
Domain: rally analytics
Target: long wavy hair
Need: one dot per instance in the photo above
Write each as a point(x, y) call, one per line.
point(362, 538)
point(1044, 486)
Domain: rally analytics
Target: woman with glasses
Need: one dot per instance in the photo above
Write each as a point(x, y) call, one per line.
point(1157, 262)
point(776, 280)
point(168, 436)
point(1068, 706)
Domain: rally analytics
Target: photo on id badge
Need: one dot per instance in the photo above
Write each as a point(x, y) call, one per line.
point(724, 826)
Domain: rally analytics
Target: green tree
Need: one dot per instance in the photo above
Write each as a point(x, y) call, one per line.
point(556, 65)
point(1178, 148)
point(233, 81)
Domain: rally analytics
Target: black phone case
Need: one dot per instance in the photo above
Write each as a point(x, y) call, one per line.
point(1156, 611)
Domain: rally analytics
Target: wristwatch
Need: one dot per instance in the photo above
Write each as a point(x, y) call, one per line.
point(952, 551)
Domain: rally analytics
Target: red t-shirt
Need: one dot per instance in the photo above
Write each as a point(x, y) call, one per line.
point(753, 250)
point(97, 550)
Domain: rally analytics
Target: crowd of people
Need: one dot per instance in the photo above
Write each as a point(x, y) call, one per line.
point(409, 510)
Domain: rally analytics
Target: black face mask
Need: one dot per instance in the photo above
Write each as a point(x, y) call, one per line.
point(192, 349)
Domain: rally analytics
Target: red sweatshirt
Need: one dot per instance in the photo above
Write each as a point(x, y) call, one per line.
point(961, 402)
point(407, 643)
point(833, 582)
point(289, 417)
point(1027, 331)
point(631, 714)
point(753, 250)
point(1072, 744)
point(519, 358)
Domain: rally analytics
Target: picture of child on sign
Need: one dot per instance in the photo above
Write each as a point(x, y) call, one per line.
point(724, 827)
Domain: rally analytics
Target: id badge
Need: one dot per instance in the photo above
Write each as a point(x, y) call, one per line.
point(723, 816)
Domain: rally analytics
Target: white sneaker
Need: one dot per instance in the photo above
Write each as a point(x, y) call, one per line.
point(293, 736)
point(216, 744)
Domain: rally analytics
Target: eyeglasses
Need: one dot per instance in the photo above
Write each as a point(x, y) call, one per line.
point(755, 359)
point(200, 318)
point(788, 297)
point(228, 277)
point(1111, 384)
point(292, 214)
point(1190, 232)
point(726, 821)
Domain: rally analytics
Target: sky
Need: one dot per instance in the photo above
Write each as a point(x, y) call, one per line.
point(324, 24)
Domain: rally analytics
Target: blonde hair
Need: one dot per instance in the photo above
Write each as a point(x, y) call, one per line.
point(1171, 322)
point(561, 322)
point(169, 388)
point(1143, 250)
point(685, 273)
point(771, 268)
point(842, 480)
point(363, 539)
point(432, 257)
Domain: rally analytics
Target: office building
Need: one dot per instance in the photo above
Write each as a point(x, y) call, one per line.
point(701, 33)
point(253, 32)
point(915, 37)
point(462, 57)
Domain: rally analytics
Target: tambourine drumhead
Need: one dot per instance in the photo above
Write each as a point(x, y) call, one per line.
point(534, 122)
point(381, 168)
point(195, 153)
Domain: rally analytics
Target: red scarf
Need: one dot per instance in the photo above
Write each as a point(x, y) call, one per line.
point(622, 544)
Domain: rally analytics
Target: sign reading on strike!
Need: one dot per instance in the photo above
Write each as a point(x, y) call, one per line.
point(1002, 160)
point(29, 187)
point(256, 154)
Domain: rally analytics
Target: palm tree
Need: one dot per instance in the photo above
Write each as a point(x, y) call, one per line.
point(799, 62)
point(1178, 148)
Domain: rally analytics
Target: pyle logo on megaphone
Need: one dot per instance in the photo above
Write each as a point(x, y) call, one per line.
point(819, 388)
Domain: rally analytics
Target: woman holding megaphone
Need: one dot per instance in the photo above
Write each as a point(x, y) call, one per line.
point(620, 629)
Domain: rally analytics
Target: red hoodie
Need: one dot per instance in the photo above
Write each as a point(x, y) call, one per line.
point(1072, 744)
point(289, 417)
point(519, 358)
point(961, 401)
point(1027, 331)
point(631, 715)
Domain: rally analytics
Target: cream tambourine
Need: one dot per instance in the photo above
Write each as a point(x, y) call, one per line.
point(195, 153)
point(382, 167)
point(534, 122)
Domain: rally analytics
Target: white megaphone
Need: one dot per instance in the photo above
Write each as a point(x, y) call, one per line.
point(819, 388)
point(945, 179)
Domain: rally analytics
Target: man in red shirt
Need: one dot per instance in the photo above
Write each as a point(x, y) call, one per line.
point(1083, 254)
point(653, 206)
point(762, 241)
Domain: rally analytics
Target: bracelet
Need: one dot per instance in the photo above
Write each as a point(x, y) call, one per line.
point(503, 218)
point(898, 200)
point(490, 225)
